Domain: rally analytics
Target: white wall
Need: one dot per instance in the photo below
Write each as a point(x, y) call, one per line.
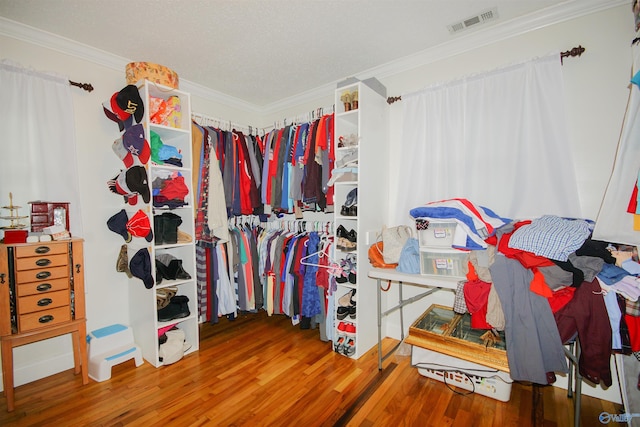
point(596, 86)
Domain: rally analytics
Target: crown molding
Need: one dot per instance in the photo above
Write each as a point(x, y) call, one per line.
point(474, 39)
point(462, 43)
point(26, 33)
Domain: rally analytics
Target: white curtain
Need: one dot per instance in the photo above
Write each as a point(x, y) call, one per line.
point(37, 135)
point(614, 223)
point(498, 139)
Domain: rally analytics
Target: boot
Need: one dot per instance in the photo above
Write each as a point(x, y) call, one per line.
point(158, 226)
point(176, 271)
point(170, 225)
point(162, 272)
point(177, 308)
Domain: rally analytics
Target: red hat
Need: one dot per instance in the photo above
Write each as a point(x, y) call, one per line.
point(135, 142)
point(139, 226)
point(111, 115)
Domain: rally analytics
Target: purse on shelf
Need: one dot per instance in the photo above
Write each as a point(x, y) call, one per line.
point(376, 258)
point(394, 239)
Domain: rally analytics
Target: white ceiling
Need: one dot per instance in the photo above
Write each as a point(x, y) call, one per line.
point(263, 51)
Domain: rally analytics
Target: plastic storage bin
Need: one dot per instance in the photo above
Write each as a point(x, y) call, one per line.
point(439, 234)
point(443, 262)
point(459, 373)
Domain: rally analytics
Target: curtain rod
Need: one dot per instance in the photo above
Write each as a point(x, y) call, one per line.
point(86, 86)
point(576, 51)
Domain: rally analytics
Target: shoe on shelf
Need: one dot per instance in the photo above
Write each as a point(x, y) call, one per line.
point(349, 211)
point(342, 312)
point(352, 312)
point(347, 299)
point(350, 329)
point(349, 349)
point(342, 327)
point(177, 308)
point(352, 198)
point(338, 344)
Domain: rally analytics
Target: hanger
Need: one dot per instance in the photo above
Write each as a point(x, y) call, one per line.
point(321, 253)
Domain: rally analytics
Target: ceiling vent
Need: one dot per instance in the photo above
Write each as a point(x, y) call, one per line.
point(481, 18)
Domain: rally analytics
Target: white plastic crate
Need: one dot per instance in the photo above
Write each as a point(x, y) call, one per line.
point(460, 373)
point(439, 234)
point(443, 262)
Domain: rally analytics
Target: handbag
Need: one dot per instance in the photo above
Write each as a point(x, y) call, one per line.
point(376, 258)
point(394, 239)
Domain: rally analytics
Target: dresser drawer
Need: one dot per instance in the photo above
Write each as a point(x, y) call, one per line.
point(44, 261)
point(43, 274)
point(38, 288)
point(47, 301)
point(43, 249)
point(42, 319)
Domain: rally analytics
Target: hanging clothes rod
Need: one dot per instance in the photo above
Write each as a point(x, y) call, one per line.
point(86, 86)
point(227, 125)
point(576, 51)
point(303, 118)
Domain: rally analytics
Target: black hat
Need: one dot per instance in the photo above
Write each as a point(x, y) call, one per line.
point(131, 182)
point(118, 224)
point(136, 179)
point(128, 99)
point(140, 267)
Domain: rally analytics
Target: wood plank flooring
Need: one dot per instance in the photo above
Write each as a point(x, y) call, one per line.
point(262, 371)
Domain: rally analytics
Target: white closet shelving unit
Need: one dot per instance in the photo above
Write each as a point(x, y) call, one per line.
point(367, 125)
point(142, 303)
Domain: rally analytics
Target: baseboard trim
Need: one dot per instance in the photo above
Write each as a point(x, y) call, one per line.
point(41, 369)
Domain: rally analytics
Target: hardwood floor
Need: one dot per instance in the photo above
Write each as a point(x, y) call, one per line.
point(260, 370)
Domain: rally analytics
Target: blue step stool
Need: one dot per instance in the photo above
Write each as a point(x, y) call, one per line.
point(111, 346)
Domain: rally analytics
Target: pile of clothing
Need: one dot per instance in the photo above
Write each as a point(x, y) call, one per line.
point(545, 282)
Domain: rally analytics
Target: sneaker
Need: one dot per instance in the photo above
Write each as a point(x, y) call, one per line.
point(350, 330)
point(349, 348)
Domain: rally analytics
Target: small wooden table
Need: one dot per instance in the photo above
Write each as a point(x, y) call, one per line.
point(78, 330)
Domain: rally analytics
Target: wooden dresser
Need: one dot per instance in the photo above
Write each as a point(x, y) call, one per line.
point(41, 296)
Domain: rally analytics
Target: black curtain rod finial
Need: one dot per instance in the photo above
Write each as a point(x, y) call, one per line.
point(86, 86)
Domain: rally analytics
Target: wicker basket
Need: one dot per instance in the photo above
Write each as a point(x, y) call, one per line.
point(136, 71)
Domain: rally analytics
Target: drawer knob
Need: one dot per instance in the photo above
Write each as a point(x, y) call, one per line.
point(42, 249)
point(44, 301)
point(43, 275)
point(43, 262)
point(43, 287)
point(45, 319)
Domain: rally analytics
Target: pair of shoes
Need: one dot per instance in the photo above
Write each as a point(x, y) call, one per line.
point(346, 307)
point(343, 312)
point(350, 207)
point(170, 268)
point(347, 328)
point(347, 240)
point(177, 308)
